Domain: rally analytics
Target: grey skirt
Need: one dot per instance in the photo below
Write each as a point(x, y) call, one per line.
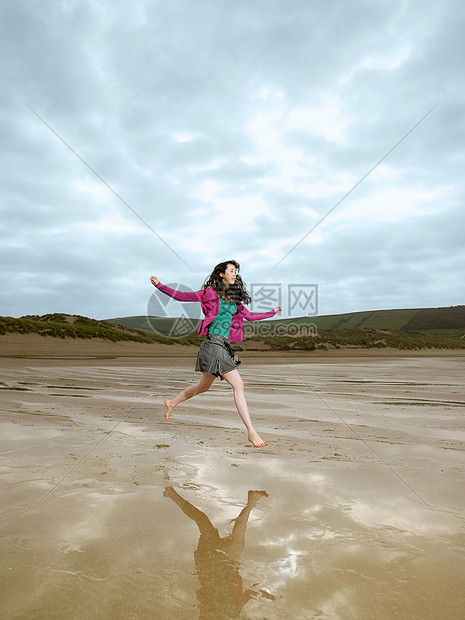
point(216, 356)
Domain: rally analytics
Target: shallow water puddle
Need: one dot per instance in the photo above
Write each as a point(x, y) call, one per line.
point(161, 521)
point(226, 536)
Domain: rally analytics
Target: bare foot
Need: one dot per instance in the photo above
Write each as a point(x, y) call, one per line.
point(169, 409)
point(257, 441)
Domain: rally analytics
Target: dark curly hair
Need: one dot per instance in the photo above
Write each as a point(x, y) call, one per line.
point(237, 292)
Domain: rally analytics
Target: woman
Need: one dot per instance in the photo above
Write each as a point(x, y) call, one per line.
point(221, 300)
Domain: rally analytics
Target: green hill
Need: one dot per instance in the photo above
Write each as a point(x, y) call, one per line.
point(377, 319)
point(440, 320)
point(419, 319)
point(152, 324)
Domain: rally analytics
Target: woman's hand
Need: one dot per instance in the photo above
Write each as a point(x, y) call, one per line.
point(154, 280)
point(277, 309)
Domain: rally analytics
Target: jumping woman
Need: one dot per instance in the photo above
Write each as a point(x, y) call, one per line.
point(221, 298)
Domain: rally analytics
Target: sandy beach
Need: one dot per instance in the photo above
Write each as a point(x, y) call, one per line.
point(355, 509)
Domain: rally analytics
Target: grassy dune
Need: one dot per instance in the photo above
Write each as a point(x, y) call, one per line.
point(365, 338)
point(74, 326)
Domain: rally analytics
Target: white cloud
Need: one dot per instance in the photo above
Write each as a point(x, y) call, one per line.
point(113, 223)
point(388, 60)
point(98, 192)
point(223, 218)
point(231, 129)
point(327, 120)
point(391, 204)
point(184, 137)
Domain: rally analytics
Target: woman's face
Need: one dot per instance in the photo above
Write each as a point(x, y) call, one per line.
point(229, 276)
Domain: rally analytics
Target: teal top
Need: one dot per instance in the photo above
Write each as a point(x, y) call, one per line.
point(222, 323)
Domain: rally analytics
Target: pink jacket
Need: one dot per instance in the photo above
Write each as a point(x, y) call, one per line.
point(210, 303)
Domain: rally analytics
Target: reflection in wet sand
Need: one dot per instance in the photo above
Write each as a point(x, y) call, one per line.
point(216, 560)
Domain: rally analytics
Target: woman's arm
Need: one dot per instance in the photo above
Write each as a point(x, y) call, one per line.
point(178, 295)
point(257, 316)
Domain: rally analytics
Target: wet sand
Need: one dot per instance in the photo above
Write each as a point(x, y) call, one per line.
point(110, 512)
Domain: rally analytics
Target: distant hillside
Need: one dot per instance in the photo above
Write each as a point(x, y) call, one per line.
point(419, 319)
point(438, 318)
point(152, 324)
point(421, 328)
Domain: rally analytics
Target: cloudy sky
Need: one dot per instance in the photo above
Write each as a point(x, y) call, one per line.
point(231, 128)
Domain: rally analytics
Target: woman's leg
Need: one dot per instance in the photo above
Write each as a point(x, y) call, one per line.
point(235, 380)
point(202, 386)
point(237, 540)
point(204, 524)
